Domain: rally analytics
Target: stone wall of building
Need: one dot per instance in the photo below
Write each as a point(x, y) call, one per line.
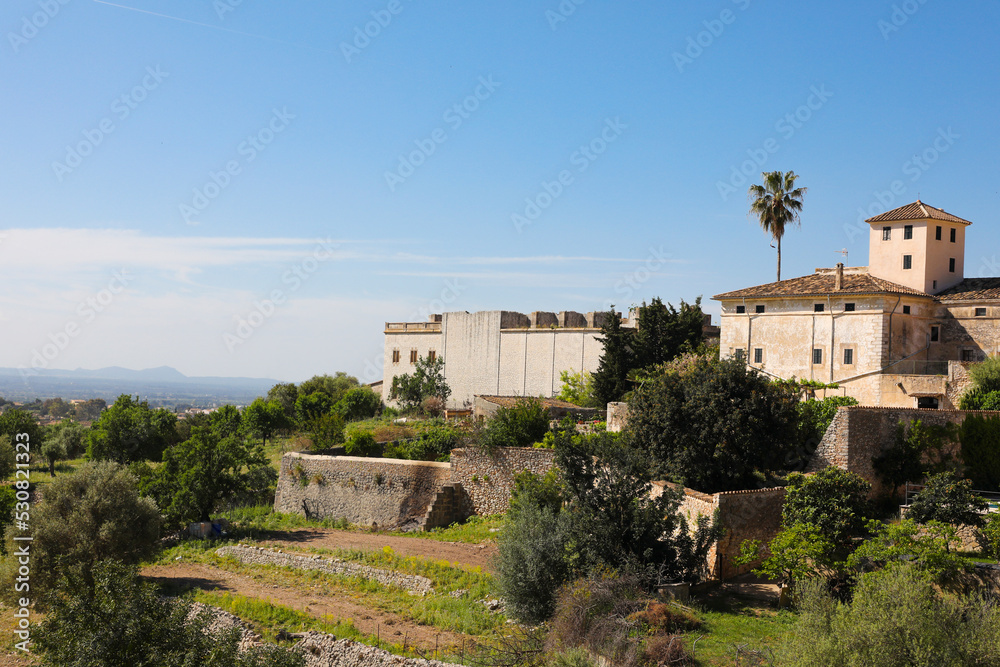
point(365, 491)
point(745, 515)
point(857, 434)
point(488, 479)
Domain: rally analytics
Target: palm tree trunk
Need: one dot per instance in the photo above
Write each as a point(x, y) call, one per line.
point(779, 258)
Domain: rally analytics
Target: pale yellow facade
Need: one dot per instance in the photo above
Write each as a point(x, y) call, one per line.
point(899, 332)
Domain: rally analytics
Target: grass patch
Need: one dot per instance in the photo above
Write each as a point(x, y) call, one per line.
point(476, 530)
point(732, 621)
point(462, 614)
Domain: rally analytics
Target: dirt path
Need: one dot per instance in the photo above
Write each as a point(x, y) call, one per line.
point(468, 555)
point(388, 626)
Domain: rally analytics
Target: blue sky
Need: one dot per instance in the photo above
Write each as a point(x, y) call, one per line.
point(251, 188)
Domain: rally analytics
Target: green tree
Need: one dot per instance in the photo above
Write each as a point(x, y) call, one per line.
point(664, 332)
point(835, 501)
point(776, 204)
point(71, 434)
point(427, 381)
point(578, 389)
point(7, 459)
point(359, 403)
point(263, 419)
point(335, 386)
point(130, 431)
point(285, 394)
point(989, 536)
point(57, 407)
point(617, 359)
point(948, 499)
point(201, 472)
point(714, 427)
point(362, 444)
point(226, 421)
point(90, 409)
point(85, 517)
point(310, 407)
point(14, 422)
point(121, 620)
point(798, 552)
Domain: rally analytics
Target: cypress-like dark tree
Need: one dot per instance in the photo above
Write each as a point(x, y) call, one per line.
point(664, 331)
point(611, 378)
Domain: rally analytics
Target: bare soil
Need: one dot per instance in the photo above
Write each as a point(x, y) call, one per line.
point(457, 553)
point(388, 626)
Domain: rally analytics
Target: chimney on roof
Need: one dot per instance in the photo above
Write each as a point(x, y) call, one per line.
point(838, 281)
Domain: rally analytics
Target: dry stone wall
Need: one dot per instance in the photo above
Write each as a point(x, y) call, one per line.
point(261, 556)
point(488, 479)
point(365, 491)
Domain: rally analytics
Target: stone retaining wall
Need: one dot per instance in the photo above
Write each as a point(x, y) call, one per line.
point(322, 650)
point(488, 479)
point(365, 491)
point(858, 433)
point(261, 556)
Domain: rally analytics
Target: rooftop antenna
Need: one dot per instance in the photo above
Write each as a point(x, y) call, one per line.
point(844, 253)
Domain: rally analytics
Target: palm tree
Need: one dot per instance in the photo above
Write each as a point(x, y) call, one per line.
point(776, 203)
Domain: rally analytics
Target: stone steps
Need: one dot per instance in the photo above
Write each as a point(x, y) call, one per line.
point(447, 507)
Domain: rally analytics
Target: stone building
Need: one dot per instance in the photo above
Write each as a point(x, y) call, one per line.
point(496, 352)
point(899, 332)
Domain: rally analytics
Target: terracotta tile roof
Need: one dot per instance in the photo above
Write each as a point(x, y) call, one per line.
point(983, 289)
point(821, 284)
point(917, 211)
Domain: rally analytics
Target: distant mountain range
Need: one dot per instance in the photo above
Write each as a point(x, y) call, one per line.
point(163, 384)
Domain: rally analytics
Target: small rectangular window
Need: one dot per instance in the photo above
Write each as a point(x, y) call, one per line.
point(818, 307)
point(395, 356)
point(937, 233)
point(848, 356)
point(980, 312)
point(906, 310)
point(413, 356)
point(886, 233)
point(951, 233)
point(740, 310)
point(848, 307)
point(935, 334)
point(739, 353)
point(934, 284)
point(967, 355)
point(907, 232)
point(951, 265)
point(817, 356)
point(431, 355)
point(759, 309)
point(758, 355)
point(907, 261)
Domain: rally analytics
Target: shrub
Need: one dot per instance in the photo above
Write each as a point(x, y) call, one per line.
point(796, 553)
point(834, 501)
point(667, 650)
point(670, 618)
point(947, 499)
point(122, 621)
point(91, 515)
point(896, 619)
point(925, 548)
point(989, 536)
point(531, 562)
point(362, 444)
point(520, 425)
